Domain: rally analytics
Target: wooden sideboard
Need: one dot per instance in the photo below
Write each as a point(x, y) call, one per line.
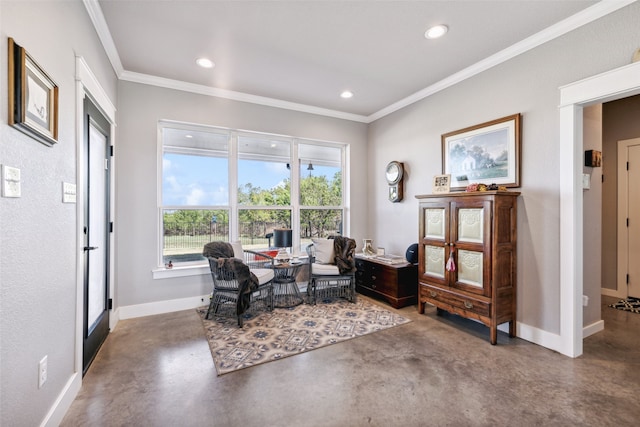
point(477, 231)
point(395, 283)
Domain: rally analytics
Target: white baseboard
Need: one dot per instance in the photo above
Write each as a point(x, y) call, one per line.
point(540, 337)
point(592, 328)
point(114, 317)
point(63, 402)
point(160, 307)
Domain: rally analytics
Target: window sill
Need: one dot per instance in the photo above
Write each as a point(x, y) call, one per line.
point(192, 270)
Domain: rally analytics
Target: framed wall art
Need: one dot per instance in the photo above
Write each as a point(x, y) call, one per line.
point(33, 97)
point(488, 153)
point(441, 184)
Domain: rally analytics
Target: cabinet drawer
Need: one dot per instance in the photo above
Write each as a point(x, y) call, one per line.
point(381, 281)
point(456, 301)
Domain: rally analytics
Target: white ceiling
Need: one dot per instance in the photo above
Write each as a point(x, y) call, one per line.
point(302, 54)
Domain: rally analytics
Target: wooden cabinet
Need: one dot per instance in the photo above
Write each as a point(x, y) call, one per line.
point(467, 256)
point(397, 284)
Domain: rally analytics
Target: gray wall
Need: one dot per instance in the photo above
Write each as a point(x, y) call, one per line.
point(38, 232)
point(527, 84)
point(620, 120)
point(592, 210)
point(140, 107)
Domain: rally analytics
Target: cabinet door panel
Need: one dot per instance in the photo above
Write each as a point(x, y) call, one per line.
point(471, 225)
point(434, 261)
point(434, 223)
point(470, 268)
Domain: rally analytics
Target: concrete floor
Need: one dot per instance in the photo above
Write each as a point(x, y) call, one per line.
point(434, 371)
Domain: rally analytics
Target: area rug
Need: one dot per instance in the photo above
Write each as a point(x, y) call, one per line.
point(284, 332)
point(630, 304)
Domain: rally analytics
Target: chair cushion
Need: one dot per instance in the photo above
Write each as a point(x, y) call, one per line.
point(263, 274)
point(325, 254)
point(325, 269)
point(238, 252)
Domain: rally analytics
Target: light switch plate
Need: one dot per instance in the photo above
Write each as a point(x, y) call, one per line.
point(10, 181)
point(586, 181)
point(68, 192)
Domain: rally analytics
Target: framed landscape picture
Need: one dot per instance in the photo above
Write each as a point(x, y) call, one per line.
point(488, 153)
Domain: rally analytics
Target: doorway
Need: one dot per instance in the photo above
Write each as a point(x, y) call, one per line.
point(96, 229)
point(629, 217)
point(616, 84)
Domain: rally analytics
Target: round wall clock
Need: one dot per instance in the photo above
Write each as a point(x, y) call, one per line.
point(394, 173)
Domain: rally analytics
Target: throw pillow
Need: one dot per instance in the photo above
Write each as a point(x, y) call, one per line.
point(325, 254)
point(238, 252)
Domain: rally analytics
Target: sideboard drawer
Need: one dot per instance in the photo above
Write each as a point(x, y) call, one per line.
point(454, 300)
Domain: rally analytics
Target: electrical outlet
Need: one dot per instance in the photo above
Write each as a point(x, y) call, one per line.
point(42, 372)
point(585, 300)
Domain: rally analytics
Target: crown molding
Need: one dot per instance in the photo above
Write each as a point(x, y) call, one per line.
point(237, 96)
point(573, 22)
point(100, 24)
point(581, 18)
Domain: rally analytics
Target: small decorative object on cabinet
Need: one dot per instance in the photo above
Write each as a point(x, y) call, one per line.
point(467, 256)
point(395, 283)
point(368, 247)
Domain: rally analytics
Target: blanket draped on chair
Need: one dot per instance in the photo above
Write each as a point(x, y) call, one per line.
point(247, 281)
point(344, 248)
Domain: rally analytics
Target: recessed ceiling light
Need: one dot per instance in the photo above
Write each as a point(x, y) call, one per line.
point(205, 63)
point(436, 31)
point(188, 136)
point(346, 94)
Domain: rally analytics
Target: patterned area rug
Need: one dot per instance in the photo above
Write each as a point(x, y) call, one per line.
point(629, 304)
point(285, 332)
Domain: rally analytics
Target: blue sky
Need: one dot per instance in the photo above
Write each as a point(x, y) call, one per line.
point(199, 180)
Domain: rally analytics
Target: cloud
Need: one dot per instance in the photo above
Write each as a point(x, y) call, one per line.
point(172, 181)
point(196, 197)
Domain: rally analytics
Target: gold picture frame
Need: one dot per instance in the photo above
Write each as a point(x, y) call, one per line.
point(33, 97)
point(488, 153)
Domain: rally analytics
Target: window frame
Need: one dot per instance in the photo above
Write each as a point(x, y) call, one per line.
point(233, 155)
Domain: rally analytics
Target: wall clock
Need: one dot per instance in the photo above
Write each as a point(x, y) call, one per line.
point(395, 178)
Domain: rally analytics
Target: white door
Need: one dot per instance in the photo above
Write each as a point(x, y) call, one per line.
point(629, 216)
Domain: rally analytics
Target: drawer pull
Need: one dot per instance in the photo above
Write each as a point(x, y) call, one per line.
point(433, 294)
point(467, 304)
point(373, 277)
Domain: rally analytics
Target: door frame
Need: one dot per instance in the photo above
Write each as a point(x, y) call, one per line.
point(615, 84)
point(622, 289)
point(87, 86)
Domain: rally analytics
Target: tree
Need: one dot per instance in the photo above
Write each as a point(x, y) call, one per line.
point(318, 191)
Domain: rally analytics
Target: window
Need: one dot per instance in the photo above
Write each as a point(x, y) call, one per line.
point(320, 192)
point(264, 180)
point(195, 192)
point(225, 185)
